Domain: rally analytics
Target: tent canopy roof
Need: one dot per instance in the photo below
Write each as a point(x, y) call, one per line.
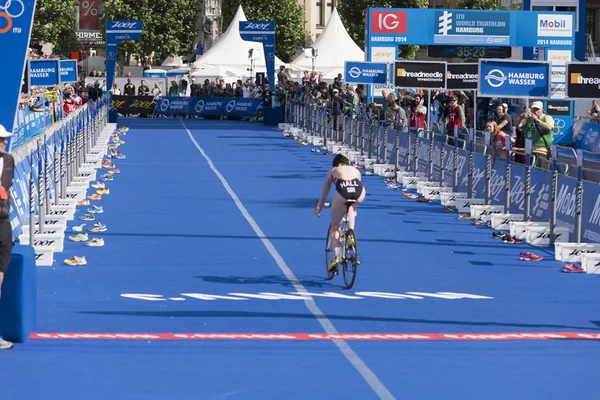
point(335, 46)
point(230, 50)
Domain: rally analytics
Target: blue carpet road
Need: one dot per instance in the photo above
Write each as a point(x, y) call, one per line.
point(181, 256)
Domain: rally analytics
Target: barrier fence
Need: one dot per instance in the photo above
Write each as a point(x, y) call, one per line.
point(539, 198)
point(52, 173)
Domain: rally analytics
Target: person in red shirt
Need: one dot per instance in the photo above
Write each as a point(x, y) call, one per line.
point(418, 113)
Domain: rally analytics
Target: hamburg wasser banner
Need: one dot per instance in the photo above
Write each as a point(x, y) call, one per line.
point(207, 106)
point(16, 19)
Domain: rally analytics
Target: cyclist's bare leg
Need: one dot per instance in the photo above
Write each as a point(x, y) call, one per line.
point(338, 212)
point(352, 210)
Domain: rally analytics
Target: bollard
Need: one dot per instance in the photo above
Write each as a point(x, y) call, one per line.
point(553, 193)
point(507, 177)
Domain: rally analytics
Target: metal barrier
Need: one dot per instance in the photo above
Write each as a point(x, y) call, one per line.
point(424, 153)
point(53, 164)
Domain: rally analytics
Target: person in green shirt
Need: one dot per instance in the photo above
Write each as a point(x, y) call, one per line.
point(538, 126)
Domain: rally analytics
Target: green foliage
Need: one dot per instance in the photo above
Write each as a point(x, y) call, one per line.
point(54, 22)
point(287, 14)
point(352, 13)
point(477, 4)
point(169, 27)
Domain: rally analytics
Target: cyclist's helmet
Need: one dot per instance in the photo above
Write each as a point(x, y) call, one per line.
point(340, 159)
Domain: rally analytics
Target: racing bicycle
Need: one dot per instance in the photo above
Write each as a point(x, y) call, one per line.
point(349, 260)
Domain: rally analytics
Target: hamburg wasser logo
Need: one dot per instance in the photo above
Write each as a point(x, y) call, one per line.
point(354, 72)
point(10, 10)
point(164, 105)
point(230, 106)
point(495, 78)
point(199, 106)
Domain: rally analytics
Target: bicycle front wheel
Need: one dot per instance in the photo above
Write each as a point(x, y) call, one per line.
point(328, 254)
point(350, 258)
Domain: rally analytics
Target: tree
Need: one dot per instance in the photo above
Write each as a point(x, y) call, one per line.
point(477, 4)
point(352, 13)
point(169, 27)
point(287, 14)
point(54, 22)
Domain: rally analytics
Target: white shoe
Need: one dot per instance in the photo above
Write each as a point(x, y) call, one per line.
point(79, 228)
point(5, 344)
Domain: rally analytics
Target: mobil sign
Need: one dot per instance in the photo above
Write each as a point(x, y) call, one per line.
point(555, 25)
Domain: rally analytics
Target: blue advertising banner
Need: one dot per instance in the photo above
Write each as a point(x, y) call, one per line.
point(590, 221)
point(15, 29)
point(44, 73)
point(513, 79)
point(116, 32)
point(566, 202)
point(365, 72)
point(68, 71)
point(472, 28)
point(207, 106)
point(262, 32)
point(586, 137)
point(414, 26)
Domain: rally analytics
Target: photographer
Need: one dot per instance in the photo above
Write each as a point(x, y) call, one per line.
point(538, 127)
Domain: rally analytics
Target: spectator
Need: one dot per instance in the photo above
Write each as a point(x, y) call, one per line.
point(7, 167)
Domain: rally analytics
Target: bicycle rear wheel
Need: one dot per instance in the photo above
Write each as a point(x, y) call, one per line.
point(328, 254)
point(350, 258)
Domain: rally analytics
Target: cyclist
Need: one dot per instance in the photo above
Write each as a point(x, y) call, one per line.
point(348, 186)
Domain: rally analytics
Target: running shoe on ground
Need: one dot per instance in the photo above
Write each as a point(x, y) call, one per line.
point(530, 257)
point(464, 217)
point(98, 227)
point(78, 228)
point(95, 210)
point(103, 191)
point(95, 242)
point(95, 196)
point(98, 185)
point(498, 235)
point(572, 268)
point(106, 177)
point(82, 237)
point(115, 171)
point(450, 209)
point(422, 199)
point(5, 344)
point(511, 240)
point(368, 173)
point(87, 217)
point(83, 203)
point(409, 196)
point(76, 261)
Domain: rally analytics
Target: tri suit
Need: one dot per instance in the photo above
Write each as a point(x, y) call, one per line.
point(348, 189)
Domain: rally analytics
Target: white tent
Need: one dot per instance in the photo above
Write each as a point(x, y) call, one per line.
point(231, 53)
point(335, 47)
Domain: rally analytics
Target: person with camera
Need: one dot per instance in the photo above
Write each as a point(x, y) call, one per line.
point(538, 126)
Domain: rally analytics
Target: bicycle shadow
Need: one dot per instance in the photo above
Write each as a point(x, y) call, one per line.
point(313, 282)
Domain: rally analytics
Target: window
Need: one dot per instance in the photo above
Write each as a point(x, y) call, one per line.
point(328, 11)
point(591, 23)
point(542, 8)
point(319, 13)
